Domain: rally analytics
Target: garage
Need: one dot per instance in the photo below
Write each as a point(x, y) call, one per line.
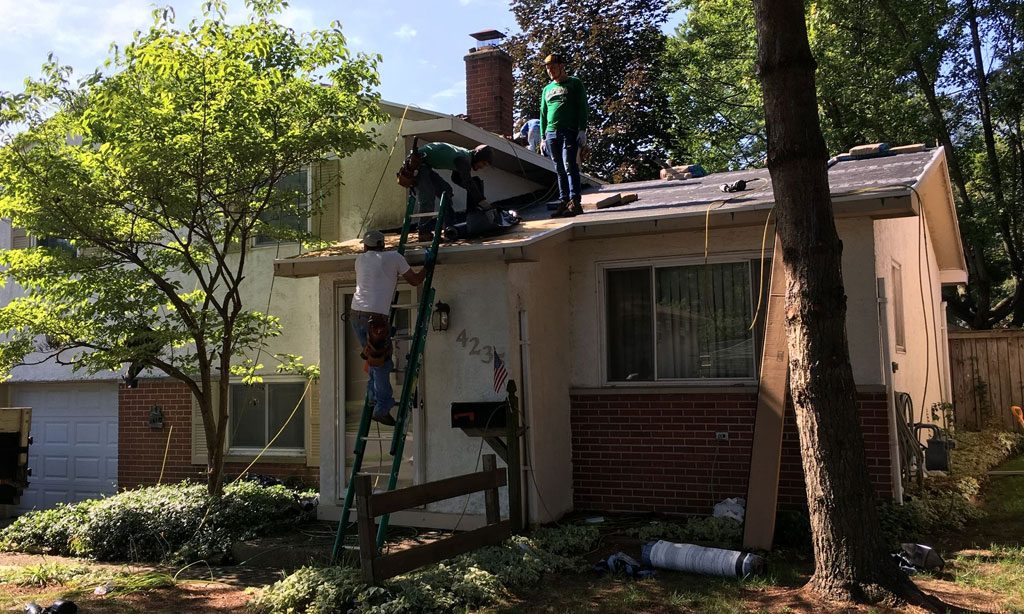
point(74, 451)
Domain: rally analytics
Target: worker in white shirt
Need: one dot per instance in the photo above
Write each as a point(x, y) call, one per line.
point(377, 272)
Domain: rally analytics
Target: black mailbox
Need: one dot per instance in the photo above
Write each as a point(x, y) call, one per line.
point(480, 415)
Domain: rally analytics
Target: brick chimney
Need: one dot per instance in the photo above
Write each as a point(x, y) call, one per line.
point(489, 84)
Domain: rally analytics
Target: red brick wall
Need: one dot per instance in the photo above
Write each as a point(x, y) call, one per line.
point(141, 448)
point(489, 90)
point(657, 452)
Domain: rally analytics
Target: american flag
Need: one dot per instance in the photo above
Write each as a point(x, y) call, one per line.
point(500, 374)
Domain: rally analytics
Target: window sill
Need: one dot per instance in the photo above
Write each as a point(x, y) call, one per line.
point(283, 456)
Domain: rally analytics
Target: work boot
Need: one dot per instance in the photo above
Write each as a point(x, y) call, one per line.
point(563, 209)
point(386, 420)
point(575, 206)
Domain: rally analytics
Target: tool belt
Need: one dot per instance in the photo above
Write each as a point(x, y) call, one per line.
point(377, 350)
point(411, 167)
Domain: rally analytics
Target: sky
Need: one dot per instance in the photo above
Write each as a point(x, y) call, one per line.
point(422, 43)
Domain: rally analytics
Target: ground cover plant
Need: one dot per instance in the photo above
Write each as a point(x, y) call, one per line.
point(177, 523)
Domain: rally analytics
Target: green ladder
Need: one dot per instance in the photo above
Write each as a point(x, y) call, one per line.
point(411, 372)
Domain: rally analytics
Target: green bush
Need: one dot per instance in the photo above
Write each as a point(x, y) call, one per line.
point(467, 582)
point(705, 530)
point(173, 523)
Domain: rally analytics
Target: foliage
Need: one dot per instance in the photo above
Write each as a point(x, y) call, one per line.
point(466, 582)
point(146, 185)
point(174, 523)
point(720, 532)
point(1001, 570)
point(948, 503)
point(615, 47)
point(44, 574)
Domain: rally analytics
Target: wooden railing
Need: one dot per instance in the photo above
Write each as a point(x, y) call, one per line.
point(377, 567)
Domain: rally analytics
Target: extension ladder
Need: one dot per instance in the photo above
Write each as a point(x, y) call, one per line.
point(417, 343)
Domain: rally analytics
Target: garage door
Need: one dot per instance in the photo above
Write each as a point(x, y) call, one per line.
point(74, 451)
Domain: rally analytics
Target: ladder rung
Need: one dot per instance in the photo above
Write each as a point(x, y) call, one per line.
point(419, 243)
point(375, 438)
point(376, 473)
point(423, 215)
point(405, 305)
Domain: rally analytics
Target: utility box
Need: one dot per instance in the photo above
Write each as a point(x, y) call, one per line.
point(14, 442)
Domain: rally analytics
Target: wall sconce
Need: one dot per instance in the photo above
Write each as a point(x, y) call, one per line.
point(156, 417)
point(441, 317)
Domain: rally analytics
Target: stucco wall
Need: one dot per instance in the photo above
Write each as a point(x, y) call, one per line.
point(586, 257)
point(907, 242)
point(540, 305)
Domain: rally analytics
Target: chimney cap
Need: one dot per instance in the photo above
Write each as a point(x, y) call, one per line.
point(487, 35)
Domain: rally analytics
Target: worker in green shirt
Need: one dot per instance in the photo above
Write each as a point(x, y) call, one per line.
point(430, 185)
point(563, 124)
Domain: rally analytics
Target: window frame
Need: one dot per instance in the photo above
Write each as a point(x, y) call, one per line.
point(249, 451)
point(254, 241)
point(669, 261)
point(899, 321)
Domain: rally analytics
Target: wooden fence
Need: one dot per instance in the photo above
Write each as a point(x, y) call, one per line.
point(377, 567)
point(987, 372)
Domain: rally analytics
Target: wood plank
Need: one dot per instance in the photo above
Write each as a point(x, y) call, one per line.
point(367, 529)
point(766, 455)
point(400, 562)
point(600, 200)
point(414, 496)
point(492, 509)
point(1003, 375)
point(1013, 368)
point(515, 463)
point(629, 197)
point(1016, 472)
point(986, 334)
point(499, 447)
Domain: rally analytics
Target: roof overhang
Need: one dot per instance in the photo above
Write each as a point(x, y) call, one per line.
point(939, 213)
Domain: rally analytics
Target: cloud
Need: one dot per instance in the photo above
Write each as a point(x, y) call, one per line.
point(405, 32)
point(456, 91)
point(300, 20)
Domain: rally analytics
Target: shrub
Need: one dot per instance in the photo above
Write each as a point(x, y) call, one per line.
point(466, 582)
point(174, 523)
point(706, 530)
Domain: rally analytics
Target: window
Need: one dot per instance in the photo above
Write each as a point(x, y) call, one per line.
point(291, 215)
point(259, 411)
point(898, 325)
point(682, 322)
point(57, 243)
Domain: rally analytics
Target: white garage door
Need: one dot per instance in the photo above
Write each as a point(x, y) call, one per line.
point(74, 451)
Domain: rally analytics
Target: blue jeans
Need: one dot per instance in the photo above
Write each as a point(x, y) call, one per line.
point(563, 149)
point(381, 394)
point(429, 187)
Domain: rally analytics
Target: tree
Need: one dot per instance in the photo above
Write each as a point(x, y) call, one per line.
point(851, 562)
point(146, 186)
point(615, 48)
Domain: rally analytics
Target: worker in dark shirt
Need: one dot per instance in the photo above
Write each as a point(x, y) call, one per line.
point(430, 185)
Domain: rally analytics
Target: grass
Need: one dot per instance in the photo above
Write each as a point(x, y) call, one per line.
point(999, 569)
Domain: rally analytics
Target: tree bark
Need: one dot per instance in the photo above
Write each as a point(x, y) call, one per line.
point(851, 562)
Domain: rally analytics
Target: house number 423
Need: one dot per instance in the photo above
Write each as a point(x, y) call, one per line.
point(486, 352)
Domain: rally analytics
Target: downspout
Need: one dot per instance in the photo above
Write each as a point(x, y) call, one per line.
point(526, 409)
point(885, 356)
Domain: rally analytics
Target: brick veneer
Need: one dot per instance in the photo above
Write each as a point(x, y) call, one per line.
point(141, 448)
point(643, 452)
point(489, 89)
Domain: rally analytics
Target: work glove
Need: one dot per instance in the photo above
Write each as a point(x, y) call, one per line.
point(484, 205)
point(581, 137)
point(544, 147)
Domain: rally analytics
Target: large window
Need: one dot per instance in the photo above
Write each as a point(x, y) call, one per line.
point(292, 214)
point(682, 322)
point(258, 412)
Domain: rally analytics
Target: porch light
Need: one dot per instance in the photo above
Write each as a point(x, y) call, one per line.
point(442, 312)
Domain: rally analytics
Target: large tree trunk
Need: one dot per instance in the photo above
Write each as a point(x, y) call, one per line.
point(851, 562)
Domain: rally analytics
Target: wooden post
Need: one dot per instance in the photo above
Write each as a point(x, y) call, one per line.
point(766, 455)
point(367, 528)
point(514, 462)
point(491, 505)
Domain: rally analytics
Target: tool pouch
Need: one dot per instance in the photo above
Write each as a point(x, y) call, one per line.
point(377, 350)
point(410, 168)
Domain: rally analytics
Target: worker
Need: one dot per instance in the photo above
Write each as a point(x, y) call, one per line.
point(563, 122)
point(430, 185)
point(377, 272)
point(531, 132)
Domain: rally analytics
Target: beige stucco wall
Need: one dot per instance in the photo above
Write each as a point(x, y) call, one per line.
point(920, 366)
point(540, 305)
point(586, 257)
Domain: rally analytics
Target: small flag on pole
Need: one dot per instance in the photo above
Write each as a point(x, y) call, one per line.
point(500, 374)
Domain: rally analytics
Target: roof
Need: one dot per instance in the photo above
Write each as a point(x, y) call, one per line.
point(880, 187)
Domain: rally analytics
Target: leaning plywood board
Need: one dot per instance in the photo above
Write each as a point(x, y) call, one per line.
point(766, 455)
point(600, 200)
point(629, 197)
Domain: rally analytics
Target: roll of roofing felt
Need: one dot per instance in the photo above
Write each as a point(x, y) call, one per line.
point(698, 559)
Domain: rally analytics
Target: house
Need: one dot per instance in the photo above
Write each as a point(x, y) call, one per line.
point(93, 435)
point(628, 330)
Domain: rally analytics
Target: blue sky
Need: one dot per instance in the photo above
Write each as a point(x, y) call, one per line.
point(422, 43)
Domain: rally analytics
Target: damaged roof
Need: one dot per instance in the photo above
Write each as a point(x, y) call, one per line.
point(878, 187)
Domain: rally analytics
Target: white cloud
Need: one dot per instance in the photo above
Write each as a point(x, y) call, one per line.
point(455, 91)
point(405, 32)
point(300, 20)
